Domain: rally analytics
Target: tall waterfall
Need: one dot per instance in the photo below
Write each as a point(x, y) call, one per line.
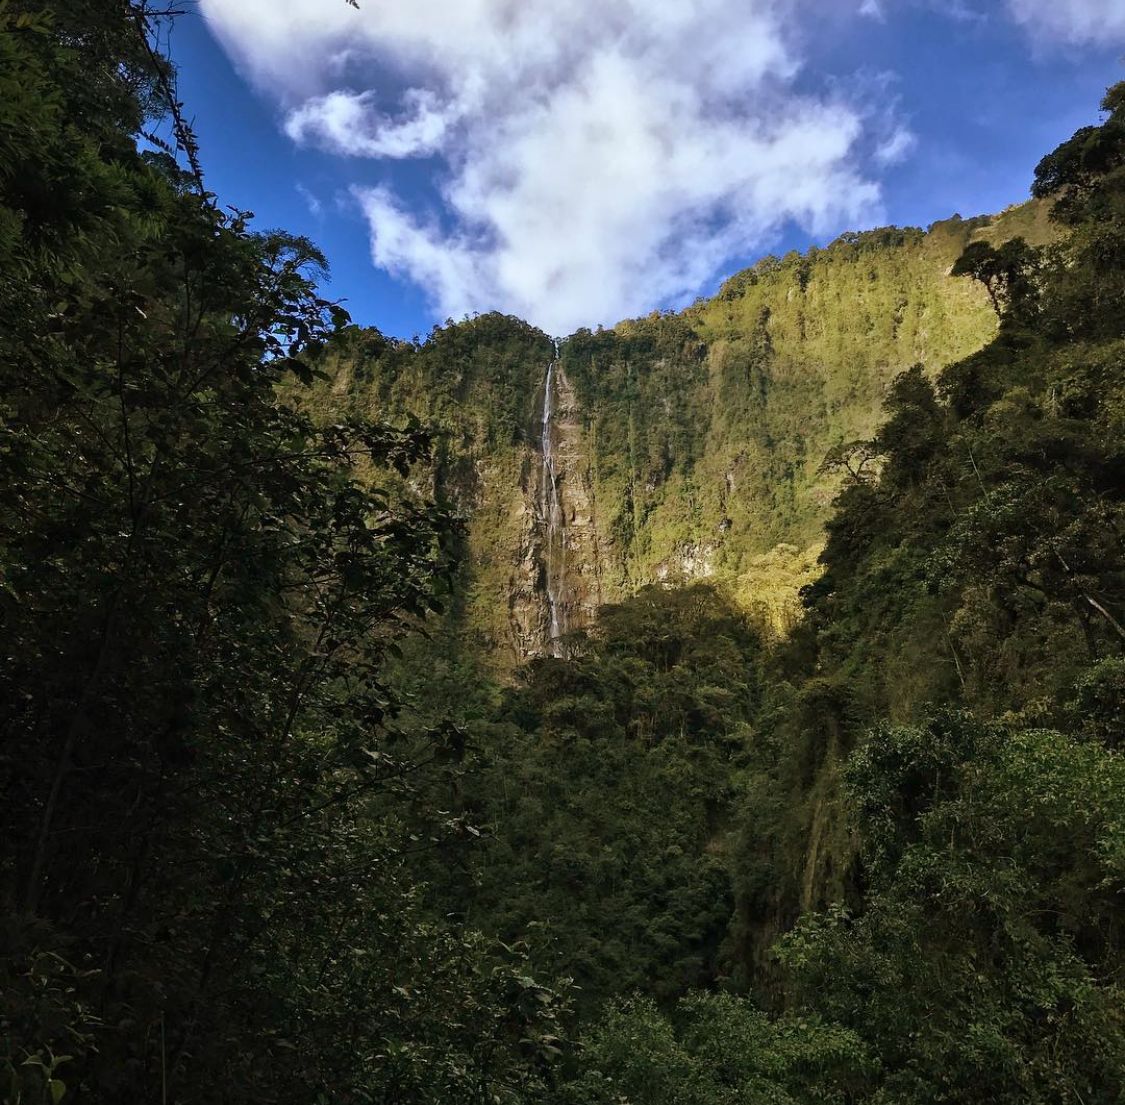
point(554, 520)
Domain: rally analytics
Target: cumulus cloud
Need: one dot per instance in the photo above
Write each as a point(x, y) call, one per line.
point(1074, 22)
point(595, 159)
point(350, 123)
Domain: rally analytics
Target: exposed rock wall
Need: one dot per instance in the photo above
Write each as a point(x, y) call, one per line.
point(555, 586)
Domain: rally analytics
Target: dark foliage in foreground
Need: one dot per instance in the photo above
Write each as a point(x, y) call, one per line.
point(208, 806)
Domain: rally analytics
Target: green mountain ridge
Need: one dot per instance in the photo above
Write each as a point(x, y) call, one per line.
point(692, 443)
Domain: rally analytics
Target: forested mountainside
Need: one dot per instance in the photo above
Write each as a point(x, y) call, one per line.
point(690, 445)
point(282, 817)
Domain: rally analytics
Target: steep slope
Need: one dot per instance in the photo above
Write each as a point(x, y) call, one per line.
point(680, 446)
point(709, 428)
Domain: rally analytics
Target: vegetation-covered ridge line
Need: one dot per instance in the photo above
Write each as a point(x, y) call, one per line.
point(692, 444)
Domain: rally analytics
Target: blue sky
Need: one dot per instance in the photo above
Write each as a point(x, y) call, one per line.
point(579, 161)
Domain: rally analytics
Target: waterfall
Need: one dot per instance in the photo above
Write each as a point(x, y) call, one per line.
point(554, 521)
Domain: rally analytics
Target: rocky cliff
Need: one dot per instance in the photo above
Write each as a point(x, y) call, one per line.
point(676, 447)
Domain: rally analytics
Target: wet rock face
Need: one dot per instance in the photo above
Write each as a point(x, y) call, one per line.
point(579, 586)
point(552, 520)
point(555, 586)
point(528, 618)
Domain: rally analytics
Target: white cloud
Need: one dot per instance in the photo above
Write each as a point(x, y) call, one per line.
point(1073, 22)
point(598, 159)
point(349, 123)
point(896, 147)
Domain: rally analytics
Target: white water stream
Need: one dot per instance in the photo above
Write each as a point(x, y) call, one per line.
point(554, 521)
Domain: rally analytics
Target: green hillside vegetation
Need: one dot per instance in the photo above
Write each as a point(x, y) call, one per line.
point(704, 432)
point(710, 427)
point(605, 786)
point(935, 814)
point(283, 819)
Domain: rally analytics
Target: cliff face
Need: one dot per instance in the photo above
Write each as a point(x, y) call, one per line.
point(676, 447)
point(548, 579)
point(570, 549)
